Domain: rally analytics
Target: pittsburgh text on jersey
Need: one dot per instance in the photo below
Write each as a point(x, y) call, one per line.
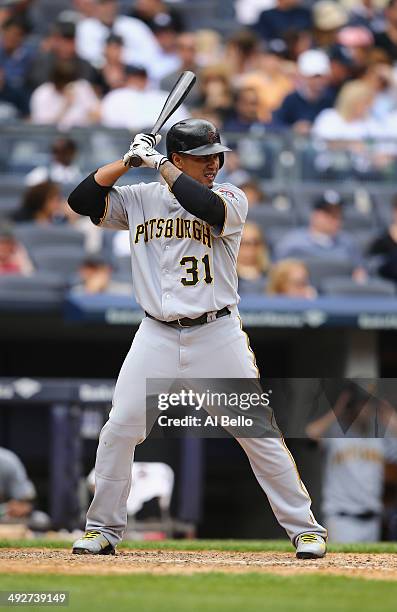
point(194, 229)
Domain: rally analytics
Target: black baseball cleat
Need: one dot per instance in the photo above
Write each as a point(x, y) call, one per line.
point(93, 543)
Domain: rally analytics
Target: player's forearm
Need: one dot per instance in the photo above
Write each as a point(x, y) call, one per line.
point(106, 176)
point(194, 197)
point(170, 173)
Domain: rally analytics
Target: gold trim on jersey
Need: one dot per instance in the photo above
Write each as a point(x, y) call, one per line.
point(224, 223)
point(249, 347)
point(102, 219)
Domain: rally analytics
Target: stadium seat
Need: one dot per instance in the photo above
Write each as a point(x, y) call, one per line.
point(273, 223)
point(33, 282)
point(32, 235)
point(321, 268)
point(64, 259)
point(123, 266)
point(41, 287)
point(348, 287)
point(384, 199)
point(258, 156)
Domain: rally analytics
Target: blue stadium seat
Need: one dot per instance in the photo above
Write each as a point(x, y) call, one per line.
point(64, 259)
point(348, 287)
point(40, 287)
point(321, 268)
point(33, 235)
point(273, 223)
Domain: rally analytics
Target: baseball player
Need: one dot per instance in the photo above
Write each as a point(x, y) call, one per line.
point(184, 237)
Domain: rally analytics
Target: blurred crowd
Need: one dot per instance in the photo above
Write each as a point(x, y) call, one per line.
point(324, 67)
point(325, 70)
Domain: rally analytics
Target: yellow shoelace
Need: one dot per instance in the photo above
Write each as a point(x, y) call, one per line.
point(90, 535)
point(307, 538)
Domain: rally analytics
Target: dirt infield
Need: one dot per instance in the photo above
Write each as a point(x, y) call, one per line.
point(54, 561)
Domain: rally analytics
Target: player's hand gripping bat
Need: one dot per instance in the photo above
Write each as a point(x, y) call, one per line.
point(176, 96)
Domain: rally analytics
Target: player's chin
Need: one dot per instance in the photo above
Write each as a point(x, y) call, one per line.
point(209, 180)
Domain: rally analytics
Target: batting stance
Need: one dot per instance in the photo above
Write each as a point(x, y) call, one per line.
point(184, 238)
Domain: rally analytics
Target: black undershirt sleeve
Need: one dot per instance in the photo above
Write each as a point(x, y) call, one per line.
point(89, 198)
point(199, 200)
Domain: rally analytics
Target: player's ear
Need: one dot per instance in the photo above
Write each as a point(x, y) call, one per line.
point(177, 160)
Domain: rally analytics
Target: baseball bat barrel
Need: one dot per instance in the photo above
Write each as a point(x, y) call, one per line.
point(175, 98)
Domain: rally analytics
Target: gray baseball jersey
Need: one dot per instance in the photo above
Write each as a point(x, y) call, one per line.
point(181, 266)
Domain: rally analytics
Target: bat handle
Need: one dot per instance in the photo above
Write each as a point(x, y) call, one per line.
point(135, 161)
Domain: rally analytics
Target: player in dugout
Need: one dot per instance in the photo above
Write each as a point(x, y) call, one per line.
point(185, 236)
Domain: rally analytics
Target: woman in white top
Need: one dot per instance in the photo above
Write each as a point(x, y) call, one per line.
point(64, 100)
point(350, 120)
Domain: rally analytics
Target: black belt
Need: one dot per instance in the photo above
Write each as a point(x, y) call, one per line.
point(207, 317)
point(362, 516)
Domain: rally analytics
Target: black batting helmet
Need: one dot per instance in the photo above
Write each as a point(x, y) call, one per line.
point(195, 137)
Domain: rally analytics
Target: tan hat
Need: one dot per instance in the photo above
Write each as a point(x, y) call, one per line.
point(328, 15)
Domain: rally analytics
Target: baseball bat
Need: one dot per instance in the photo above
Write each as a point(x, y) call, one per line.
point(174, 100)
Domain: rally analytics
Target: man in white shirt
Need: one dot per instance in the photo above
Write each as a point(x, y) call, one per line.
point(136, 106)
point(140, 45)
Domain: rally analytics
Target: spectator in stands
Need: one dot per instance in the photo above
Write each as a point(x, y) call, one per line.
point(215, 89)
point(15, 8)
point(360, 41)
point(244, 116)
point(96, 277)
point(84, 8)
point(290, 277)
point(342, 69)
point(65, 100)
point(135, 106)
point(241, 54)
point(140, 46)
point(41, 203)
point(385, 246)
point(252, 261)
point(248, 11)
point(167, 59)
point(13, 256)
point(323, 237)
point(157, 12)
point(272, 79)
point(366, 13)
point(300, 108)
point(296, 43)
point(210, 47)
point(351, 119)
point(287, 15)
point(60, 47)
point(18, 494)
point(328, 17)
point(381, 78)
point(387, 39)
point(61, 169)
point(16, 56)
point(112, 74)
point(186, 48)
point(254, 192)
